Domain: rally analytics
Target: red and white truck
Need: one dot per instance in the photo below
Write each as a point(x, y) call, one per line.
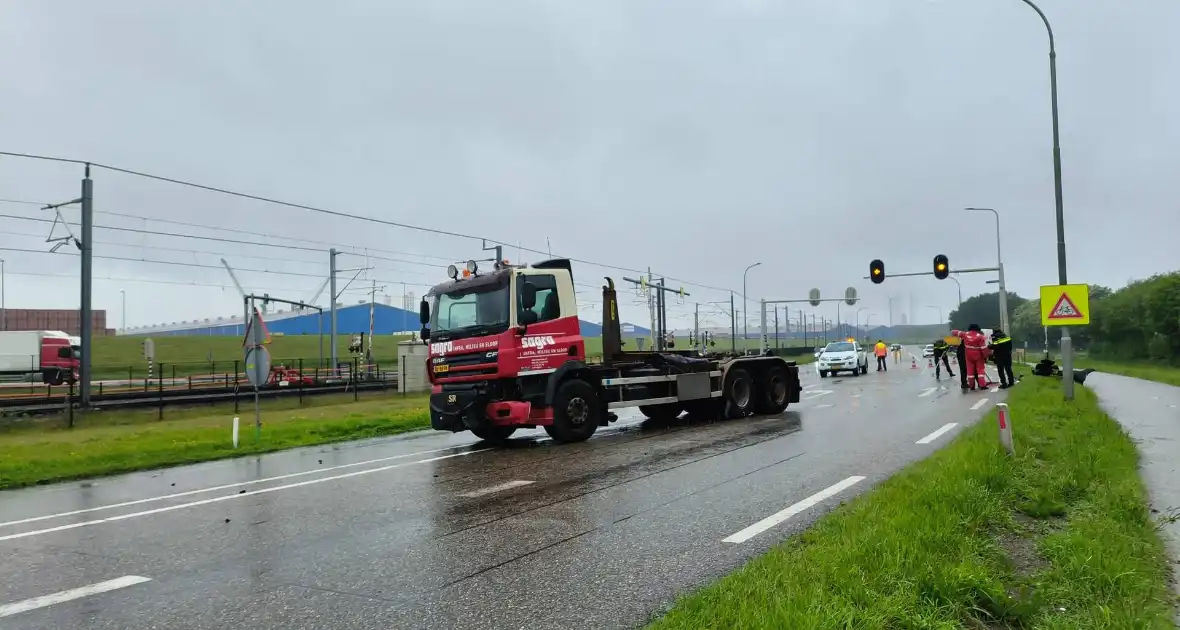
point(51, 356)
point(506, 352)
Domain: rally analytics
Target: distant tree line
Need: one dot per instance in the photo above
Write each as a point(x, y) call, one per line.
point(1139, 322)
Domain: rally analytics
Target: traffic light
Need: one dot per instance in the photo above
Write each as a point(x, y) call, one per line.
point(942, 267)
point(877, 271)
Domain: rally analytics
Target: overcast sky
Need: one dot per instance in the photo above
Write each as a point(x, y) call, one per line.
point(695, 137)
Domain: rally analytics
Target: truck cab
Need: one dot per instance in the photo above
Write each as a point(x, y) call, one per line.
point(495, 338)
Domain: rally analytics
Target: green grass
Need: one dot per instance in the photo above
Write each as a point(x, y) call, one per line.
point(111, 442)
point(1149, 371)
point(1058, 536)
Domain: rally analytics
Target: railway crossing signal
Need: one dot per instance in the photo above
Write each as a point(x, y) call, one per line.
point(942, 267)
point(877, 271)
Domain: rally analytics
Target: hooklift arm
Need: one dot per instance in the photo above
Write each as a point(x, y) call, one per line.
point(612, 335)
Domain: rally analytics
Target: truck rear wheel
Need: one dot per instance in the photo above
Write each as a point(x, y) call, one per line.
point(494, 435)
point(576, 412)
point(739, 395)
point(773, 391)
point(661, 413)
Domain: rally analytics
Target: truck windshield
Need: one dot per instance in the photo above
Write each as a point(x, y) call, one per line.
point(480, 310)
point(842, 346)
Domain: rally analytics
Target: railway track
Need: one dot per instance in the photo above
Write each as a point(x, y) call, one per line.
point(185, 396)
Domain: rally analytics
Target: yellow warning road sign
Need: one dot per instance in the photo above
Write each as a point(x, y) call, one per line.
point(1065, 305)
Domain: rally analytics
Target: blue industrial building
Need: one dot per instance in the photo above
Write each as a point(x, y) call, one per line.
point(354, 319)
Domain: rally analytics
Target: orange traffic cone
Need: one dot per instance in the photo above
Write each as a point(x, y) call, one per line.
point(913, 363)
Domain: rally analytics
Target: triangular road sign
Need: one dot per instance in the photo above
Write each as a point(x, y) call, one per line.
point(1065, 309)
point(256, 332)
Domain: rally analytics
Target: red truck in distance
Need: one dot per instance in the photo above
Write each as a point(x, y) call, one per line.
point(506, 352)
point(51, 356)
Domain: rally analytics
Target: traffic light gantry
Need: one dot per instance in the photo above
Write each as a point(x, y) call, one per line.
point(942, 269)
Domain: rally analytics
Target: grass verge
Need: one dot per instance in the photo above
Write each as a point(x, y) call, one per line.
point(112, 442)
point(1058, 536)
point(1148, 371)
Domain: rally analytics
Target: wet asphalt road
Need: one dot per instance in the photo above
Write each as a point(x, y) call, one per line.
point(439, 531)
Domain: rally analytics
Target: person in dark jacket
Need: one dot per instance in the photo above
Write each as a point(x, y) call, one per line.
point(1001, 346)
point(941, 347)
point(961, 358)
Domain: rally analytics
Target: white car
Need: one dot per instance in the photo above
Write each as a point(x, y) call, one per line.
point(843, 356)
point(928, 351)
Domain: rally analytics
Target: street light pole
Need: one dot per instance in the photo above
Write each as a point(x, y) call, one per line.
point(746, 308)
point(1000, 267)
point(960, 286)
point(857, 324)
point(939, 309)
point(3, 307)
point(1066, 342)
point(123, 312)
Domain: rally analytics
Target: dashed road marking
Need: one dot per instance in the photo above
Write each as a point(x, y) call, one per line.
point(494, 489)
point(978, 404)
point(779, 517)
point(824, 406)
point(816, 393)
point(938, 433)
point(72, 594)
point(928, 392)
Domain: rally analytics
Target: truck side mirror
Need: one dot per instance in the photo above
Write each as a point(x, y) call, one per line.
point(424, 333)
point(424, 312)
point(528, 295)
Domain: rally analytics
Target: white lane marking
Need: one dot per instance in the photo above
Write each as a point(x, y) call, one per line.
point(174, 495)
point(241, 495)
point(978, 404)
point(779, 517)
point(493, 489)
point(994, 390)
point(816, 393)
point(927, 392)
point(74, 593)
point(938, 433)
point(823, 406)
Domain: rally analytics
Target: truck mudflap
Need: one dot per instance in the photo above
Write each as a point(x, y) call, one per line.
point(796, 384)
point(457, 410)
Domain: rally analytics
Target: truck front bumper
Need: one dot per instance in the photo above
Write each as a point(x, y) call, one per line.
point(457, 410)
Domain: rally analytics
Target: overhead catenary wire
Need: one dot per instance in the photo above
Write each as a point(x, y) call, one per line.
point(337, 213)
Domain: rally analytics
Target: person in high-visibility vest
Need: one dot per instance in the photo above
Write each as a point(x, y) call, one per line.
point(1001, 347)
point(881, 350)
point(941, 347)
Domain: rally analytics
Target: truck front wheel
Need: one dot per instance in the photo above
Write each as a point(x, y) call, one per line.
point(576, 412)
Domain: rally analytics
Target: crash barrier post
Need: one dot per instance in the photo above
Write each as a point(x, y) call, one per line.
point(1005, 421)
point(235, 432)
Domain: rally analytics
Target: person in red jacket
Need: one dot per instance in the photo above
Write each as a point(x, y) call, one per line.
point(975, 346)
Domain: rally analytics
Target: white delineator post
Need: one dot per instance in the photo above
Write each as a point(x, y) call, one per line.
point(235, 431)
point(1005, 421)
